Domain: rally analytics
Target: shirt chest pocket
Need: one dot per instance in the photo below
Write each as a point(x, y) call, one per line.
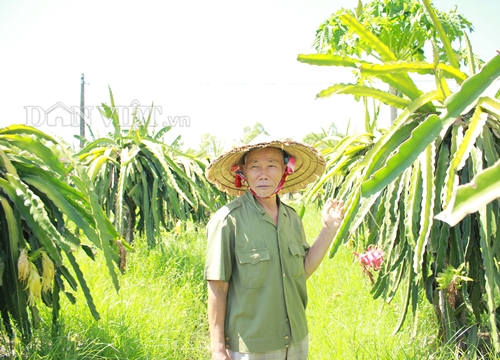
point(297, 253)
point(254, 267)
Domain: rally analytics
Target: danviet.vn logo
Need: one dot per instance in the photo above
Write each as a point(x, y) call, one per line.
point(62, 115)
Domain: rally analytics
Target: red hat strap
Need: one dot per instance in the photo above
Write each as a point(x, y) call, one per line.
point(239, 178)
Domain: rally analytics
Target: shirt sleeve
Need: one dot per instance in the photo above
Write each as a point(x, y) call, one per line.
point(220, 249)
point(303, 237)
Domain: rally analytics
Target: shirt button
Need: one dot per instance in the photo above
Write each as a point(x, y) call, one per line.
point(286, 337)
point(227, 339)
point(286, 320)
point(287, 346)
point(284, 275)
point(227, 346)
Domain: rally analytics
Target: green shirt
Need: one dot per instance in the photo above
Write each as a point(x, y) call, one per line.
point(264, 266)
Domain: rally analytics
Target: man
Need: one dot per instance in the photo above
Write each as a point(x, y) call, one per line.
point(258, 258)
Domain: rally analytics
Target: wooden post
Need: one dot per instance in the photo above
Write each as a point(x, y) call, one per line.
point(82, 112)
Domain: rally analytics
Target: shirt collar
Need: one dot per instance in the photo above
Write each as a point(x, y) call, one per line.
point(249, 196)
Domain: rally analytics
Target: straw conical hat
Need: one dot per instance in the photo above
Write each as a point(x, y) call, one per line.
point(309, 165)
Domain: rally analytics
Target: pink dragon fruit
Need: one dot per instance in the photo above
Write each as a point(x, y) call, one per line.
point(371, 258)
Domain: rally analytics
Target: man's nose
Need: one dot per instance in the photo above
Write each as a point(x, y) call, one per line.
point(263, 175)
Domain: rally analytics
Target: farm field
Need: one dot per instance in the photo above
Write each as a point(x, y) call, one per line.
point(102, 240)
point(160, 311)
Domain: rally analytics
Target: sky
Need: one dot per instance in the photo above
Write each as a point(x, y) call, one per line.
point(207, 66)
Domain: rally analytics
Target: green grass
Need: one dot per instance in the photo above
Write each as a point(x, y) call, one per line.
point(346, 323)
point(160, 311)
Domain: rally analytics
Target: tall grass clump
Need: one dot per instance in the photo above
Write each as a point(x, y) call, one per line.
point(159, 313)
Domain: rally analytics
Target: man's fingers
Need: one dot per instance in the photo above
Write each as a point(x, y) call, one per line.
point(334, 205)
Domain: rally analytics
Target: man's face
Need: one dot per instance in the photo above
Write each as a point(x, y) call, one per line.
point(263, 170)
